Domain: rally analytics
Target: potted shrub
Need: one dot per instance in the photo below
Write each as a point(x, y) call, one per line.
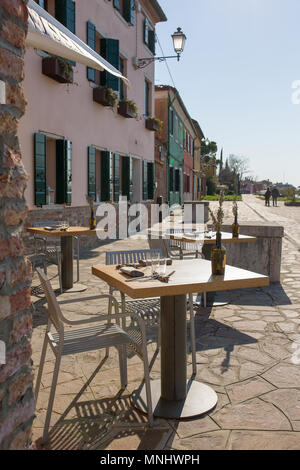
point(57, 68)
point(153, 124)
point(105, 96)
point(128, 109)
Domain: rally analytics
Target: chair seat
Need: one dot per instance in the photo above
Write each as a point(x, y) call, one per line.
point(147, 309)
point(96, 337)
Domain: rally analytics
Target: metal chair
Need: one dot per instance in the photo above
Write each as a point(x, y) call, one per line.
point(53, 252)
point(100, 336)
point(147, 309)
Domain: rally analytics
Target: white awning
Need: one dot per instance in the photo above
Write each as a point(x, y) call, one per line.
point(48, 34)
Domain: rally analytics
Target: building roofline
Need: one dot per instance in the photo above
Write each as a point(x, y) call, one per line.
point(177, 95)
point(158, 10)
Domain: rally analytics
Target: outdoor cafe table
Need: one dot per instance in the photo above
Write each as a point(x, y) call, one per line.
point(173, 396)
point(66, 240)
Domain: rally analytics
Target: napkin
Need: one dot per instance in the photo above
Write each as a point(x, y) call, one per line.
point(132, 272)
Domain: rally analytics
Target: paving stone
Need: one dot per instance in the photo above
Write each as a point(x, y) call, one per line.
point(284, 375)
point(253, 414)
point(287, 400)
point(209, 441)
point(257, 440)
point(248, 389)
point(193, 427)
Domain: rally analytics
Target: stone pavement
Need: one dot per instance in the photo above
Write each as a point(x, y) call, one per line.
point(247, 351)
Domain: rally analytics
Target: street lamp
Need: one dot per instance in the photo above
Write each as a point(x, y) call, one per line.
point(178, 38)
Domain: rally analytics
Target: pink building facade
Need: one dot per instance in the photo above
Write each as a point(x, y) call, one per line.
point(74, 146)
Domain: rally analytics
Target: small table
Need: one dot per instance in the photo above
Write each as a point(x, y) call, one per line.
point(173, 396)
point(66, 241)
point(208, 243)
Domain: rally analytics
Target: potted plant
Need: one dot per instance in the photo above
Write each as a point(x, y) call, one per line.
point(58, 68)
point(218, 253)
point(235, 225)
point(128, 108)
point(153, 124)
point(105, 96)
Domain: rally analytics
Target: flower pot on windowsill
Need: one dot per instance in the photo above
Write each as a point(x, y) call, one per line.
point(57, 69)
point(126, 109)
point(152, 124)
point(105, 96)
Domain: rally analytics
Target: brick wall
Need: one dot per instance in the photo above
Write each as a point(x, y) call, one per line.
point(16, 379)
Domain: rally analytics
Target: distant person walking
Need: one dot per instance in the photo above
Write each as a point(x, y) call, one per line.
point(267, 196)
point(275, 195)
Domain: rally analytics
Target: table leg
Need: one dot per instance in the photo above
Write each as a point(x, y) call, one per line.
point(173, 396)
point(67, 262)
point(67, 267)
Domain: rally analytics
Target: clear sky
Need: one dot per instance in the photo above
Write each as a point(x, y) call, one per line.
point(235, 77)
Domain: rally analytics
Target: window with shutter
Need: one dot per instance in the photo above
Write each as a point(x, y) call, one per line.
point(145, 180)
point(127, 177)
point(129, 11)
point(151, 43)
point(116, 178)
point(146, 31)
point(150, 180)
point(39, 169)
point(177, 180)
point(65, 13)
point(91, 41)
point(63, 172)
point(105, 175)
point(117, 4)
point(92, 172)
point(171, 179)
point(109, 49)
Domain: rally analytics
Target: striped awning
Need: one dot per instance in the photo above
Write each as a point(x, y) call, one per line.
point(48, 34)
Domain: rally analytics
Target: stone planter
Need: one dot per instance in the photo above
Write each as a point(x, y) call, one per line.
point(54, 69)
point(100, 96)
point(151, 125)
point(126, 110)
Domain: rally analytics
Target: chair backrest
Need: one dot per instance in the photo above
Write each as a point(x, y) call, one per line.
point(55, 315)
point(161, 244)
point(128, 256)
point(45, 223)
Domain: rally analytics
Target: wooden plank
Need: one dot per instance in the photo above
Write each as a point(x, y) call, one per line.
point(190, 276)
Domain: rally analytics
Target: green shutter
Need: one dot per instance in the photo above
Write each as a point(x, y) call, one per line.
point(39, 169)
point(111, 176)
point(116, 177)
point(129, 11)
point(91, 40)
point(109, 49)
point(145, 180)
point(63, 172)
point(92, 172)
point(171, 179)
point(127, 177)
point(65, 14)
point(105, 173)
point(146, 31)
point(117, 4)
point(152, 40)
point(150, 180)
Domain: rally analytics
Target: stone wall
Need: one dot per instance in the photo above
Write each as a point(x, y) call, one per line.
point(263, 256)
point(76, 216)
point(16, 378)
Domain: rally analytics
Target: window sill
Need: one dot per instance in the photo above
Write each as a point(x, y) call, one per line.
point(121, 18)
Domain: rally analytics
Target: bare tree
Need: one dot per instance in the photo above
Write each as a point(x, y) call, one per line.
point(239, 165)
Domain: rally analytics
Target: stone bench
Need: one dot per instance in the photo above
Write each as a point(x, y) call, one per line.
point(263, 256)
